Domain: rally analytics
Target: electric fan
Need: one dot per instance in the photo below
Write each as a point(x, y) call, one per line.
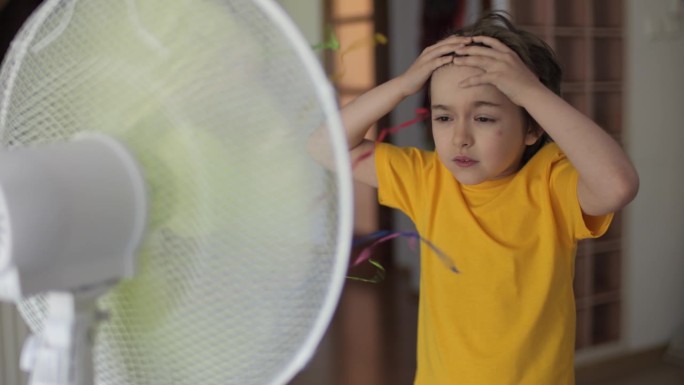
point(155, 183)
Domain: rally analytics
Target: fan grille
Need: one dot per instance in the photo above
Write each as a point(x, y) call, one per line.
point(243, 259)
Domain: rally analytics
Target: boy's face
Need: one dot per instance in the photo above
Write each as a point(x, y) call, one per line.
point(479, 133)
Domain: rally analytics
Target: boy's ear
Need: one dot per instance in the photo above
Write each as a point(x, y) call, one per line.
point(533, 135)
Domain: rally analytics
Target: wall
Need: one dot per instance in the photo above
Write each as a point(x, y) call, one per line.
point(404, 47)
point(308, 16)
point(654, 116)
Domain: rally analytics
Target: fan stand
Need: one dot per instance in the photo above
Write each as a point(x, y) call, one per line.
point(78, 212)
point(62, 353)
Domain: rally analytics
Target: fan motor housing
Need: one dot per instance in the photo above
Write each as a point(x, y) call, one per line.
point(71, 216)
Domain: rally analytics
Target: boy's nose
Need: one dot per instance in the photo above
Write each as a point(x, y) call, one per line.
point(461, 137)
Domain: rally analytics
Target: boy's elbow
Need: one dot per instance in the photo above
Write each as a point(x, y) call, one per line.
point(611, 196)
point(626, 189)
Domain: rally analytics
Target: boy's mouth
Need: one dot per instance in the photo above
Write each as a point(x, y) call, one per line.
point(464, 161)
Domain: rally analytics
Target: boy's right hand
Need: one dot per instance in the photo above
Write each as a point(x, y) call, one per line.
point(429, 60)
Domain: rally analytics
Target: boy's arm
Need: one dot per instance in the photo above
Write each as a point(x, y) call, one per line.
point(607, 179)
point(360, 114)
point(357, 118)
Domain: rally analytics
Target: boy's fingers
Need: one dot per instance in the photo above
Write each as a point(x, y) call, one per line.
point(481, 62)
point(449, 43)
point(457, 39)
point(475, 80)
point(469, 82)
point(492, 42)
point(438, 62)
point(443, 51)
point(442, 60)
point(475, 50)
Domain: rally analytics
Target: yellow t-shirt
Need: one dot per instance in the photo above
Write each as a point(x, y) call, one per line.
point(508, 317)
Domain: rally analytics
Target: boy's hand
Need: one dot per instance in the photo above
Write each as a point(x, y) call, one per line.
point(502, 68)
point(429, 60)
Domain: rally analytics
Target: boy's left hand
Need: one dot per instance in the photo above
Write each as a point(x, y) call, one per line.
point(502, 68)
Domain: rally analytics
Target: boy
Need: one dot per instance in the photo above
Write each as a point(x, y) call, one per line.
point(507, 207)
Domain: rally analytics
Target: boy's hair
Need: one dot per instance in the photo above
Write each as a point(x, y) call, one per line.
point(533, 51)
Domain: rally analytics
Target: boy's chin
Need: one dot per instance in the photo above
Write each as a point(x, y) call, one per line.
point(475, 179)
point(468, 180)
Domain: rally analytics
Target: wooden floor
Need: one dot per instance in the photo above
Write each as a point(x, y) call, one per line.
point(371, 341)
point(647, 367)
point(372, 338)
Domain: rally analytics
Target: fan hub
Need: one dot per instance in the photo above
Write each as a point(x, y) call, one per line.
point(74, 215)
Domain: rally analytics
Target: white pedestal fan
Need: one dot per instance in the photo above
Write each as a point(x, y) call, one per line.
point(161, 220)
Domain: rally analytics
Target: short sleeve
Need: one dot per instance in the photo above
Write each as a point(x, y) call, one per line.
point(563, 186)
point(401, 173)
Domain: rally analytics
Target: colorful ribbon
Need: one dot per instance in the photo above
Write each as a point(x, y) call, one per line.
point(374, 40)
point(382, 236)
point(330, 42)
point(421, 114)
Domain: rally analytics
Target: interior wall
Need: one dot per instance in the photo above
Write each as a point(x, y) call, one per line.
point(308, 16)
point(404, 47)
point(654, 116)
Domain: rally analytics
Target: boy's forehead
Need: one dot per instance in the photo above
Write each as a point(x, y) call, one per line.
point(445, 80)
point(453, 71)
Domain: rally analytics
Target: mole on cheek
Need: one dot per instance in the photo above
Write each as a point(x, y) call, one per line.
point(499, 133)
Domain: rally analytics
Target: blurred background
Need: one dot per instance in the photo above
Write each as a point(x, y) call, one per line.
point(622, 62)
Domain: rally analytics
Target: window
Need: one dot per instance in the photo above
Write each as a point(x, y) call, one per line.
point(354, 69)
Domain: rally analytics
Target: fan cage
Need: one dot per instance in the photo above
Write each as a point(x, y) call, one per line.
point(246, 250)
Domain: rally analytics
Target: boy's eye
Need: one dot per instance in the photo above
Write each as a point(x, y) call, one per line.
point(484, 119)
point(441, 119)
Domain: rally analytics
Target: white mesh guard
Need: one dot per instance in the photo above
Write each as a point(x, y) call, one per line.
point(245, 255)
